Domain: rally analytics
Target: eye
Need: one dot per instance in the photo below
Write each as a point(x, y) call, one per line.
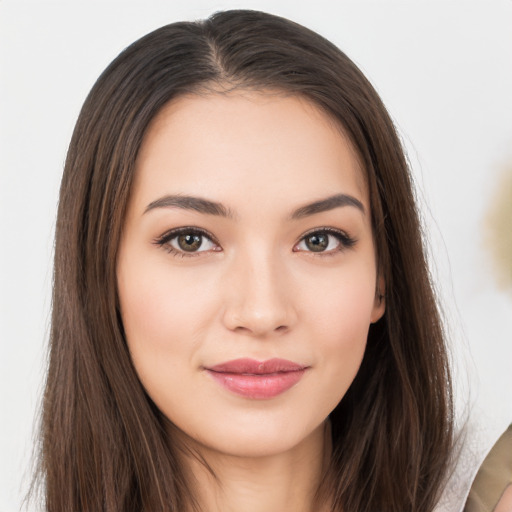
point(187, 242)
point(324, 241)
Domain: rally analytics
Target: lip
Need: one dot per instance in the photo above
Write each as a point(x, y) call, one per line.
point(259, 380)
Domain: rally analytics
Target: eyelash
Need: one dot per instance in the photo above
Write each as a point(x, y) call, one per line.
point(345, 241)
point(164, 241)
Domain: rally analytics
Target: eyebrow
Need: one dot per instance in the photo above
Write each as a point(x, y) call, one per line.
point(197, 204)
point(208, 207)
point(329, 203)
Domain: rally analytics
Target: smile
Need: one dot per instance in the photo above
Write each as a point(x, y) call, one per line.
point(258, 380)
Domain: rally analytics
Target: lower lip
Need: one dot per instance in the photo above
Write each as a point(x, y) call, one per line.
point(258, 387)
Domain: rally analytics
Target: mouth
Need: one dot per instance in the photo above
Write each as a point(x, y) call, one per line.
point(258, 380)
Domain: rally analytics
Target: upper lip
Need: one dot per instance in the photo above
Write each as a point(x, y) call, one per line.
point(252, 367)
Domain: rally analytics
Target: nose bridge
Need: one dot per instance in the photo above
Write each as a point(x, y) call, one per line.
point(258, 301)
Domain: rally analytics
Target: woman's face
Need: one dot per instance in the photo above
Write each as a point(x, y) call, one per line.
point(247, 270)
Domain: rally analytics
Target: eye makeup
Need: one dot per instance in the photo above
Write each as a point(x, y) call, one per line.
point(190, 241)
point(324, 241)
point(187, 241)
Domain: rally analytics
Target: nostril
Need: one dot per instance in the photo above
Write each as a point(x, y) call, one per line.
point(281, 328)
point(241, 328)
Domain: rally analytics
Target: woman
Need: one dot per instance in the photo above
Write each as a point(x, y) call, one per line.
point(242, 313)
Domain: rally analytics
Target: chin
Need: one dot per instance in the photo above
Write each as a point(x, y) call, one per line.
point(262, 438)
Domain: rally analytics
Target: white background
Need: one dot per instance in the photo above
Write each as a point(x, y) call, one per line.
point(443, 68)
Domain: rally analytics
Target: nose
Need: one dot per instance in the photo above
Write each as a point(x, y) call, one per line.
point(259, 298)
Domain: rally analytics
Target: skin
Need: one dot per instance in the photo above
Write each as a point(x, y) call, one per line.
point(256, 289)
point(505, 503)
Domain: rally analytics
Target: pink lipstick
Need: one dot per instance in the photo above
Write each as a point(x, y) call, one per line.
point(258, 380)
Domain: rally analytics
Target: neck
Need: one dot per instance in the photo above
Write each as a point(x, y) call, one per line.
point(283, 482)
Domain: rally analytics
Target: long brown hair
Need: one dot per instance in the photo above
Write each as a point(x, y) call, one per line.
point(105, 446)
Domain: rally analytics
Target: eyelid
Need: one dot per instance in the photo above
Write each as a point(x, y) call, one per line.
point(345, 240)
point(164, 239)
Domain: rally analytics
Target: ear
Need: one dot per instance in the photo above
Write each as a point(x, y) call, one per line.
point(379, 304)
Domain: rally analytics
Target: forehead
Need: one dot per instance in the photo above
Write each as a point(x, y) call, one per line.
point(245, 141)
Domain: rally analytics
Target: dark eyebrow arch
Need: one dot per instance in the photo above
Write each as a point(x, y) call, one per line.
point(327, 204)
point(197, 204)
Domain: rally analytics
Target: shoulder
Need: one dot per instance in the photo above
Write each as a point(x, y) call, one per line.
point(476, 441)
point(493, 476)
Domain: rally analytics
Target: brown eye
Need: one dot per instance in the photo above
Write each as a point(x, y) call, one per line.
point(325, 240)
point(189, 242)
point(317, 242)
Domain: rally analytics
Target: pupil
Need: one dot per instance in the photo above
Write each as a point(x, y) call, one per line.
point(317, 243)
point(189, 243)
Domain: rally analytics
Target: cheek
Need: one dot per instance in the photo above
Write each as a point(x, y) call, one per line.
point(163, 316)
point(347, 314)
point(340, 317)
point(342, 303)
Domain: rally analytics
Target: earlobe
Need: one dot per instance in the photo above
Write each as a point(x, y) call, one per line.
point(379, 304)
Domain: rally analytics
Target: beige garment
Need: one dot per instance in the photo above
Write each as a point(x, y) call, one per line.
point(493, 477)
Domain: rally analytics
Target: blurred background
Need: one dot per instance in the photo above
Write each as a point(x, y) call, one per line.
point(444, 70)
